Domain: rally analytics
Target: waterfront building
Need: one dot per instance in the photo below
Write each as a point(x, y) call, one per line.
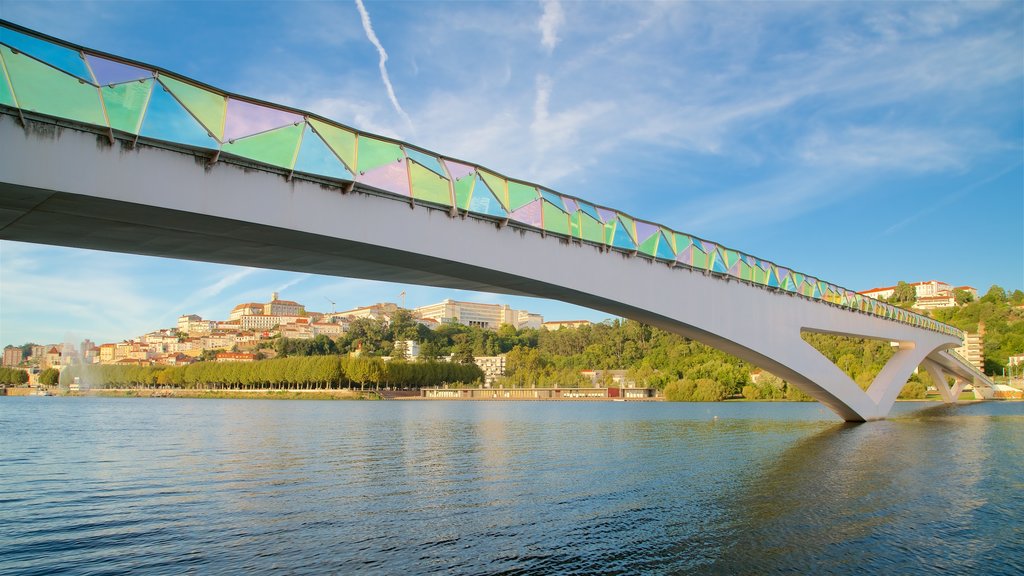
point(973, 349)
point(12, 356)
point(488, 316)
point(492, 366)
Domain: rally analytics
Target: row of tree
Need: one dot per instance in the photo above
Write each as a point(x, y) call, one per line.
point(308, 372)
point(12, 377)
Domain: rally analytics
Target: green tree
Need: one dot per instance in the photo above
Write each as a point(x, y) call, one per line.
point(49, 377)
point(961, 296)
point(903, 294)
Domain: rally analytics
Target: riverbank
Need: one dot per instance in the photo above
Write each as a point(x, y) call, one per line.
point(342, 394)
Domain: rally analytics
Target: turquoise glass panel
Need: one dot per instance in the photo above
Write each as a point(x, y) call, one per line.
point(167, 120)
point(429, 162)
point(55, 55)
point(664, 249)
point(622, 239)
point(553, 198)
point(589, 210)
point(484, 202)
point(315, 157)
point(126, 103)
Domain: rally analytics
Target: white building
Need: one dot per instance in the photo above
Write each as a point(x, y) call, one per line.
point(489, 316)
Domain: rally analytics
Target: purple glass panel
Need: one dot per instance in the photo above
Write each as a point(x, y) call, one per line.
point(644, 231)
point(606, 214)
point(246, 119)
point(110, 72)
point(529, 214)
point(570, 205)
point(457, 170)
point(391, 177)
point(686, 256)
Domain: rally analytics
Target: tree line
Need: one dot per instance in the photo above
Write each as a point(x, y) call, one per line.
point(300, 372)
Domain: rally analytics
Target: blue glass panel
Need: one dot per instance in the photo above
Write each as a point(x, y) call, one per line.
point(60, 57)
point(167, 120)
point(621, 239)
point(553, 198)
point(426, 161)
point(589, 210)
point(315, 157)
point(484, 202)
point(718, 262)
point(664, 249)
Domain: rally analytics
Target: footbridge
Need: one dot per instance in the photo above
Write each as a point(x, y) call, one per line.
point(102, 152)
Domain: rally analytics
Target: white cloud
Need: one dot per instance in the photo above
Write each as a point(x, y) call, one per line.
point(372, 36)
point(551, 20)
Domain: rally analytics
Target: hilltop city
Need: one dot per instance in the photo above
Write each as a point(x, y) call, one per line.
point(250, 329)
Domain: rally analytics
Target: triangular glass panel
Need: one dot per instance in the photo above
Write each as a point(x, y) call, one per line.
point(669, 238)
point(650, 246)
point(428, 185)
point(373, 153)
point(46, 90)
point(167, 120)
point(773, 278)
point(520, 195)
point(590, 210)
point(529, 214)
point(391, 177)
point(342, 141)
point(498, 186)
point(685, 256)
point(664, 249)
point(245, 119)
point(427, 161)
point(629, 226)
point(208, 107)
point(699, 258)
point(682, 241)
point(463, 192)
point(483, 201)
point(316, 157)
point(109, 72)
point(570, 204)
point(554, 199)
point(622, 239)
point(126, 104)
point(6, 96)
point(606, 215)
point(555, 219)
point(718, 262)
point(55, 55)
point(591, 230)
point(276, 147)
point(698, 243)
point(644, 230)
point(457, 170)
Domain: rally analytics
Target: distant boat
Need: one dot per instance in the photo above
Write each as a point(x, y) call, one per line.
point(42, 393)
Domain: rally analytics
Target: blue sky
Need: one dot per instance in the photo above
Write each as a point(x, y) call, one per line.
point(864, 143)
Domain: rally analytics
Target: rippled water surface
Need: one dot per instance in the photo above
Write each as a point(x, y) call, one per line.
point(113, 486)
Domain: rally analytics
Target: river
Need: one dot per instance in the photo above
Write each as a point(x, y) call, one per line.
point(162, 486)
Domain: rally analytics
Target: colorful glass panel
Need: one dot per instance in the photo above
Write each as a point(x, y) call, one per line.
point(428, 186)
point(589, 210)
point(664, 251)
point(166, 119)
point(208, 107)
point(57, 56)
point(342, 141)
point(391, 177)
point(126, 103)
point(46, 90)
point(372, 153)
point(427, 161)
point(112, 72)
point(529, 214)
point(483, 201)
point(6, 96)
point(520, 195)
point(458, 170)
point(551, 197)
point(498, 186)
point(276, 147)
point(246, 118)
point(555, 219)
point(590, 229)
point(316, 157)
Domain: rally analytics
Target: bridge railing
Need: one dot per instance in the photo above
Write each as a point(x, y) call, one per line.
point(44, 76)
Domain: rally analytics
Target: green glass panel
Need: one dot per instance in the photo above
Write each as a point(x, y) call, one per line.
point(41, 88)
point(629, 226)
point(464, 191)
point(682, 242)
point(700, 258)
point(497, 185)
point(574, 225)
point(341, 141)
point(276, 147)
point(125, 104)
point(6, 96)
point(650, 246)
point(520, 195)
point(760, 276)
point(555, 219)
point(427, 185)
point(591, 229)
point(208, 107)
point(373, 153)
